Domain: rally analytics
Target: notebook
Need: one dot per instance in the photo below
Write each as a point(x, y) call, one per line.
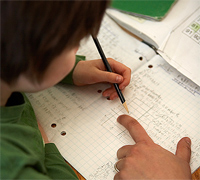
point(171, 37)
point(149, 9)
point(83, 124)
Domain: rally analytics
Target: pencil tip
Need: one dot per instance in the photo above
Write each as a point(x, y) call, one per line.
point(125, 106)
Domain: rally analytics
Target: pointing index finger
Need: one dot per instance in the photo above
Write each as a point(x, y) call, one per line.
point(136, 131)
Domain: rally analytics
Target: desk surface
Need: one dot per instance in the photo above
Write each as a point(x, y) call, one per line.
point(195, 175)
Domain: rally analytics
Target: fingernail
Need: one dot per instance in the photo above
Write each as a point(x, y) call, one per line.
point(119, 119)
point(122, 87)
point(118, 78)
point(188, 141)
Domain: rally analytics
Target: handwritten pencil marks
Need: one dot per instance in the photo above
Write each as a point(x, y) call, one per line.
point(164, 114)
point(102, 172)
point(160, 98)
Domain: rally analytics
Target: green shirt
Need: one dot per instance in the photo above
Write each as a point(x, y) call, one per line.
point(23, 153)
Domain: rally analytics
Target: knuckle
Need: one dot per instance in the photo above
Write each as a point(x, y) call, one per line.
point(121, 148)
point(134, 151)
point(109, 75)
point(128, 161)
point(110, 59)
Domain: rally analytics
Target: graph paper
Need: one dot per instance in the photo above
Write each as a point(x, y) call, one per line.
point(83, 124)
point(159, 97)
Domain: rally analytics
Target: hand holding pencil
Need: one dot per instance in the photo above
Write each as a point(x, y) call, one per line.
point(107, 65)
point(94, 71)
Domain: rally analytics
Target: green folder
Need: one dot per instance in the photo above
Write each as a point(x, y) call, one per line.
point(148, 9)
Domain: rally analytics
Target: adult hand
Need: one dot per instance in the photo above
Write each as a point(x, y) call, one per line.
point(147, 160)
point(94, 71)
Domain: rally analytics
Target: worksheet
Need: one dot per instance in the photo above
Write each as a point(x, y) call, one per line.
point(83, 124)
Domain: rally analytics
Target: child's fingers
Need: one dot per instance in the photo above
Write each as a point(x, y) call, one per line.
point(111, 93)
point(121, 69)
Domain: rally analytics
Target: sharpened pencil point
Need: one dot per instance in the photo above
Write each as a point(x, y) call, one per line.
point(125, 106)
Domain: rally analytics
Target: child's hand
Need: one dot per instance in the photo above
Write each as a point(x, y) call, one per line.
point(147, 160)
point(94, 71)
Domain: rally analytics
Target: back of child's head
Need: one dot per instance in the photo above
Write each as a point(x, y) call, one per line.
point(33, 33)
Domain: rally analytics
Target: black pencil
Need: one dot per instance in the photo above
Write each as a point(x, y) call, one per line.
point(107, 65)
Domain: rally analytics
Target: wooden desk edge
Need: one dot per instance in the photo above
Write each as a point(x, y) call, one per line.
point(196, 174)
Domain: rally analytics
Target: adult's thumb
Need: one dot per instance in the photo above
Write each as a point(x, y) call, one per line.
point(183, 150)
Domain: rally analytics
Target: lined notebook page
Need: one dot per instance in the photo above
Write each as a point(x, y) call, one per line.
point(83, 124)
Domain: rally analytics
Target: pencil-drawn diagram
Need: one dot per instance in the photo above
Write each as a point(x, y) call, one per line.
point(139, 108)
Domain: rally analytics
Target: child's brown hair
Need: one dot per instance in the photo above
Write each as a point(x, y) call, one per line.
point(33, 33)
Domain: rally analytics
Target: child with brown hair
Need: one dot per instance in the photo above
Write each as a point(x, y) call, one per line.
point(39, 40)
